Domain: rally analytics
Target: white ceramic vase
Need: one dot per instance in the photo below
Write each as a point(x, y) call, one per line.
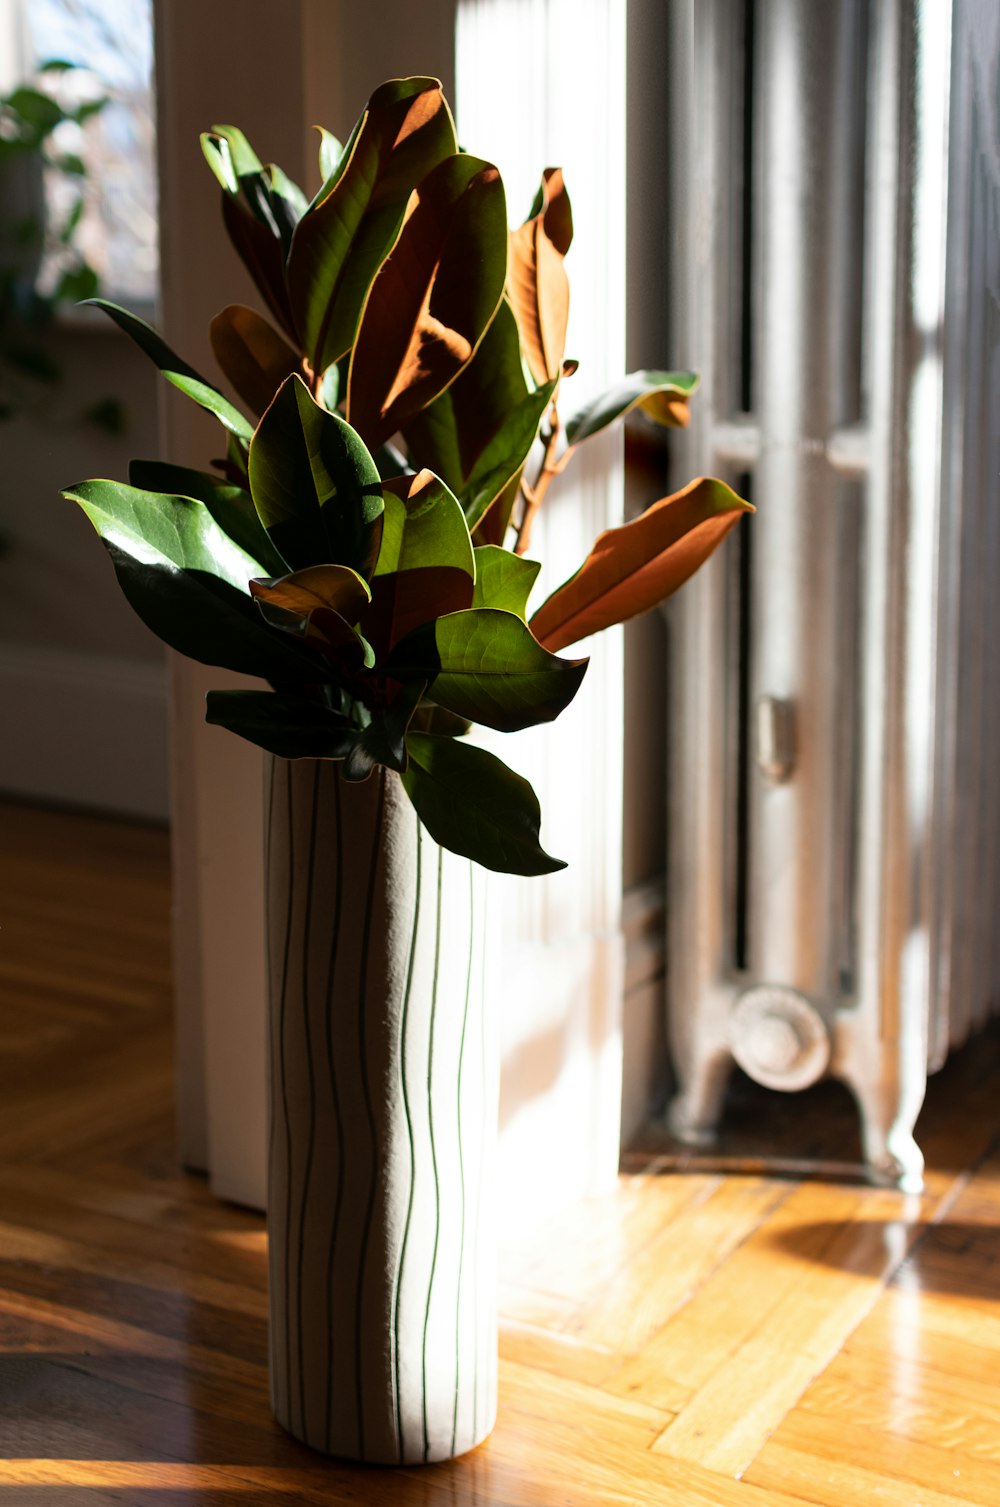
point(383, 1340)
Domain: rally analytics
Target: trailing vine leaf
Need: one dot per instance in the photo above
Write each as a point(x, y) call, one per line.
point(486, 666)
point(346, 234)
point(231, 507)
point(254, 357)
point(425, 566)
point(537, 284)
point(504, 580)
point(473, 804)
point(633, 568)
point(314, 484)
point(289, 726)
point(187, 580)
point(433, 298)
point(661, 396)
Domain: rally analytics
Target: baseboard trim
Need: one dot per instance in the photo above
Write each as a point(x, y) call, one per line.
point(84, 730)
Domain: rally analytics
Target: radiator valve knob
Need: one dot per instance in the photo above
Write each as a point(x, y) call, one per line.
point(779, 1038)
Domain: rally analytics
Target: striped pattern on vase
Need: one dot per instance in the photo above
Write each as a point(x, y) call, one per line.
point(383, 1340)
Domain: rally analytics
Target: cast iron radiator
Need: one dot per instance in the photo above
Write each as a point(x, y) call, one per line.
point(834, 841)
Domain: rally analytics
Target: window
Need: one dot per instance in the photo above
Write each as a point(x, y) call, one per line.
point(110, 42)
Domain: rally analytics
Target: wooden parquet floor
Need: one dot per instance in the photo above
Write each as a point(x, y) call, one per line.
point(699, 1338)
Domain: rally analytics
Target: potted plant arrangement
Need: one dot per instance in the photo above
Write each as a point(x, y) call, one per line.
point(353, 550)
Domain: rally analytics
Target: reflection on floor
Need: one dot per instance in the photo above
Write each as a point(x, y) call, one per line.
point(698, 1338)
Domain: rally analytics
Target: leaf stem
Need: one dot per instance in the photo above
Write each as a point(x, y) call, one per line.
point(550, 467)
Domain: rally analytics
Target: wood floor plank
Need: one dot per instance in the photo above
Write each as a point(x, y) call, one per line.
point(930, 1473)
point(812, 1310)
point(650, 1341)
point(919, 1403)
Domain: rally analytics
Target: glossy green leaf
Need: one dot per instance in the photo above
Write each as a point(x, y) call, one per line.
point(229, 155)
point(176, 370)
point(345, 235)
point(214, 403)
point(433, 298)
point(231, 507)
point(662, 396)
point(485, 665)
point(476, 436)
point(383, 741)
point(425, 566)
point(289, 726)
point(632, 568)
point(472, 804)
point(186, 580)
point(252, 354)
point(147, 339)
point(314, 484)
point(423, 526)
point(331, 152)
point(503, 579)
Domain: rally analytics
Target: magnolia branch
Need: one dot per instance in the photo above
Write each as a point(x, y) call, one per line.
point(549, 468)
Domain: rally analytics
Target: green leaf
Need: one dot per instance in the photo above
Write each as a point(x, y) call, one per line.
point(503, 579)
point(331, 152)
point(383, 741)
point(476, 436)
point(38, 111)
point(187, 581)
point(176, 370)
point(344, 237)
point(231, 507)
point(472, 804)
point(632, 568)
point(291, 727)
point(424, 526)
point(425, 566)
point(213, 402)
point(662, 396)
point(149, 341)
point(260, 208)
point(229, 155)
point(433, 299)
point(76, 285)
point(314, 484)
point(486, 666)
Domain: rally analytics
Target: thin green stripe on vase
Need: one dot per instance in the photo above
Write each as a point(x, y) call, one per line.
point(383, 1106)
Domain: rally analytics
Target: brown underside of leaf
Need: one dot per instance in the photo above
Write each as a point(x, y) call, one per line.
point(427, 308)
point(252, 354)
point(633, 568)
point(536, 279)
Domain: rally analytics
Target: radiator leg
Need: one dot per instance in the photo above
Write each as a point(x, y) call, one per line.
point(887, 1124)
point(693, 1114)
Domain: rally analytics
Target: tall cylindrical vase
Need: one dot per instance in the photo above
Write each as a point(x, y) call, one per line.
point(383, 1343)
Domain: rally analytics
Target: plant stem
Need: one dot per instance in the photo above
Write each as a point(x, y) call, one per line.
point(534, 495)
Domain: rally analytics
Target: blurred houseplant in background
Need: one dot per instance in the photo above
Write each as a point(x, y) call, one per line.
point(43, 268)
point(351, 548)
